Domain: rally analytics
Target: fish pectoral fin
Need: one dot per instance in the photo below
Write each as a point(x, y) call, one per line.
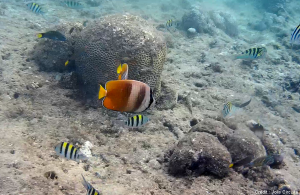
point(102, 92)
point(231, 165)
point(82, 156)
point(67, 62)
point(40, 35)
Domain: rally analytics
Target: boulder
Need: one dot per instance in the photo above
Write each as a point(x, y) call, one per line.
point(198, 20)
point(213, 127)
point(197, 153)
point(243, 143)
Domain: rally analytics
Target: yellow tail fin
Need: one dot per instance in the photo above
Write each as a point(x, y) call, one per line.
point(67, 62)
point(231, 165)
point(119, 69)
point(102, 92)
point(40, 35)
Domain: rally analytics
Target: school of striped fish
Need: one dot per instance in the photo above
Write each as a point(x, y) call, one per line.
point(65, 149)
point(38, 9)
point(132, 96)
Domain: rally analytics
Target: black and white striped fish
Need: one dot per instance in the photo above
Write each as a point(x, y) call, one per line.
point(252, 53)
point(35, 8)
point(72, 4)
point(228, 109)
point(69, 151)
point(272, 159)
point(169, 23)
point(90, 189)
point(136, 121)
point(295, 36)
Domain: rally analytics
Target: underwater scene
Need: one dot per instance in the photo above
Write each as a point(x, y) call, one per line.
point(140, 97)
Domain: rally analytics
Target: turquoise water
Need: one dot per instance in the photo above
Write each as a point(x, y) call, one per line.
point(207, 104)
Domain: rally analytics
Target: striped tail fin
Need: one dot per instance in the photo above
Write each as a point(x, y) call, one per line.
point(85, 183)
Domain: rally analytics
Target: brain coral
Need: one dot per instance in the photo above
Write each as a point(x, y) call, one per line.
point(115, 39)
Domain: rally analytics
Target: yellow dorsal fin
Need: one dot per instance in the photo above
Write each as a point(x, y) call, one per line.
point(102, 92)
point(122, 71)
point(119, 70)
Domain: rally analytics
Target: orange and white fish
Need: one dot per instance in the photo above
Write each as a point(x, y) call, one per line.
point(126, 96)
point(123, 71)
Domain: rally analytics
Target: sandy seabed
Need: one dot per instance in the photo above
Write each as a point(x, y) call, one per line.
point(36, 113)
